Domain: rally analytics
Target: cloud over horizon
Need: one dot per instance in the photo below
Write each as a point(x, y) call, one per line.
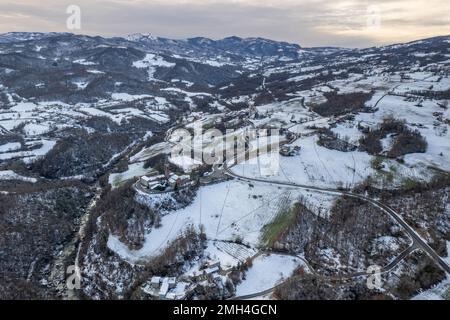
point(306, 22)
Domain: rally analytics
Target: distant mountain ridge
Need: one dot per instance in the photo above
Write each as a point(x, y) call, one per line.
point(230, 45)
point(80, 68)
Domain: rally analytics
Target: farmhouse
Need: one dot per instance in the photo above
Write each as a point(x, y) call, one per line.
point(150, 181)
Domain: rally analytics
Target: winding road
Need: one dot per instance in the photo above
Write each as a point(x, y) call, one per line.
point(417, 241)
point(387, 268)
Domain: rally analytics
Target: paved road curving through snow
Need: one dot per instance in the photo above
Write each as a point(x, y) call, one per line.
point(417, 239)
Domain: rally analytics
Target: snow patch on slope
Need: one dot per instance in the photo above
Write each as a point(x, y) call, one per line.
point(150, 62)
point(266, 272)
point(11, 175)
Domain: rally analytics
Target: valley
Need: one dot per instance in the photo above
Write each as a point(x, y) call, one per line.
point(223, 169)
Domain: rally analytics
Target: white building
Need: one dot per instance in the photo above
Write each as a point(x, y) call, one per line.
point(149, 181)
point(164, 288)
point(155, 282)
point(211, 270)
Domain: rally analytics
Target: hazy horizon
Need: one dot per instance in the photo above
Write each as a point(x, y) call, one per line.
point(219, 38)
point(309, 23)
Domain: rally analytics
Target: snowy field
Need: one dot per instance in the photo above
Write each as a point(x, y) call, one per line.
point(29, 156)
point(321, 167)
point(11, 175)
point(135, 170)
point(12, 146)
point(229, 254)
point(266, 272)
point(41, 117)
point(421, 118)
point(282, 114)
point(228, 211)
point(37, 120)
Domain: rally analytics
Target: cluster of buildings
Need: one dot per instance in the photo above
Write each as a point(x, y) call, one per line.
point(171, 288)
point(164, 182)
point(162, 288)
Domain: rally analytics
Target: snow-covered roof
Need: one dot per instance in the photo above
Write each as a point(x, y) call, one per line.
point(155, 280)
point(152, 178)
point(171, 296)
point(212, 270)
point(157, 185)
point(164, 288)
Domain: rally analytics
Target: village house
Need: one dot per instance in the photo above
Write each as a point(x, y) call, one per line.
point(212, 268)
point(155, 282)
point(149, 181)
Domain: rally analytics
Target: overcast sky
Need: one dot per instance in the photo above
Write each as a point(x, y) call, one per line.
point(351, 23)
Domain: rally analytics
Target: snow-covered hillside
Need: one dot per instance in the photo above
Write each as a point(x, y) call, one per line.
point(101, 114)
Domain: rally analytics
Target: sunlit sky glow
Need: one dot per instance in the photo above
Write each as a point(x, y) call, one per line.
point(306, 22)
